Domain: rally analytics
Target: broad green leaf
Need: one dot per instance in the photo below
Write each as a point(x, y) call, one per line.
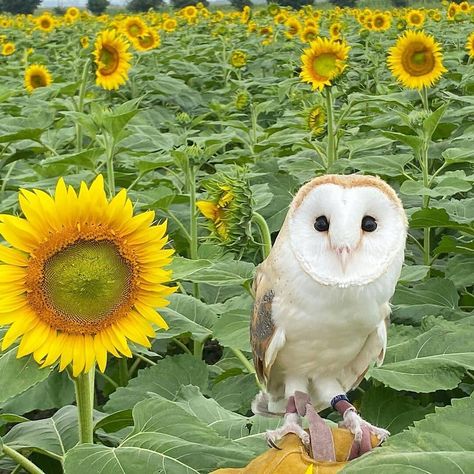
point(222, 273)
point(434, 360)
point(232, 327)
point(458, 155)
point(165, 379)
point(18, 375)
point(413, 273)
point(236, 393)
point(186, 314)
point(450, 244)
point(436, 218)
point(441, 443)
point(460, 270)
point(165, 439)
point(25, 134)
point(432, 297)
point(412, 141)
point(51, 436)
point(54, 392)
point(392, 410)
point(431, 122)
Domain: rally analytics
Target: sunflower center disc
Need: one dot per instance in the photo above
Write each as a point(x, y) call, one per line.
point(37, 81)
point(109, 59)
point(325, 65)
point(86, 281)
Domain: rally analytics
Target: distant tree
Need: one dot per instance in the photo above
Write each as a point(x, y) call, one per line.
point(343, 3)
point(240, 4)
point(400, 3)
point(184, 3)
point(143, 5)
point(19, 6)
point(97, 7)
point(296, 4)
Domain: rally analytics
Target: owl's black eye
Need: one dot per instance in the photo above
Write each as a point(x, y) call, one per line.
point(321, 224)
point(368, 224)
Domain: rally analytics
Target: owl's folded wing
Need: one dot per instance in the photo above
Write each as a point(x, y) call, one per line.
point(265, 338)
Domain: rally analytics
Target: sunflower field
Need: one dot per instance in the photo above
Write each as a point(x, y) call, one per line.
point(147, 163)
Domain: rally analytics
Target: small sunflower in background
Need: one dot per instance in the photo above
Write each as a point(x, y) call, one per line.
point(84, 42)
point(238, 59)
point(293, 27)
point(37, 76)
point(45, 22)
point(416, 60)
point(309, 34)
point(381, 21)
point(72, 14)
point(189, 13)
point(150, 39)
point(242, 100)
point(316, 120)
point(169, 25)
point(246, 14)
point(470, 45)
point(112, 59)
point(81, 277)
point(8, 49)
point(228, 210)
point(415, 18)
point(335, 30)
point(133, 27)
point(452, 11)
point(323, 61)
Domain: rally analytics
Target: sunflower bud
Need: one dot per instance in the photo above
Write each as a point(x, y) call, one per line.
point(228, 209)
point(242, 100)
point(238, 58)
point(316, 120)
point(183, 118)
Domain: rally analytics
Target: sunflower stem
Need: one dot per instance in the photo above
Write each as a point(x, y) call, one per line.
point(193, 224)
point(424, 165)
point(331, 146)
point(198, 349)
point(110, 167)
point(80, 106)
point(264, 233)
point(122, 372)
point(21, 460)
point(84, 385)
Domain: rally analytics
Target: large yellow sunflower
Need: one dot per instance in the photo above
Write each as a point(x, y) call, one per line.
point(323, 61)
point(416, 60)
point(112, 59)
point(37, 76)
point(82, 276)
point(470, 45)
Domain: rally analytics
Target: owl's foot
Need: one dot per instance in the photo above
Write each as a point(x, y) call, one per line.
point(290, 425)
point(361, 429)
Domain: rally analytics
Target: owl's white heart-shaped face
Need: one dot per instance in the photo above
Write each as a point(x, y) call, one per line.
point(347, 230)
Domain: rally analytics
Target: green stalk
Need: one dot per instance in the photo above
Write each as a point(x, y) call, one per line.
point(331, 147)
point(122, 372)
point(21, 460)
point(193, 222)
point(84, 385)
point(424, 164)
point(80, 106)
point(264, 233)
point(110, 166)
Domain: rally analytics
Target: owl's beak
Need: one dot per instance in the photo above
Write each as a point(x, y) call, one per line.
point(343, 253)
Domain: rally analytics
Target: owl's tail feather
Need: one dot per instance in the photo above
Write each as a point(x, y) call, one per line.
point(260, 405)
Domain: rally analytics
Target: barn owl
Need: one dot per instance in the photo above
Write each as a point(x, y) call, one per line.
point(322, 299)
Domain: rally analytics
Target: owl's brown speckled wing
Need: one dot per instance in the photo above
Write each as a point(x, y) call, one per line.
point(262, 327)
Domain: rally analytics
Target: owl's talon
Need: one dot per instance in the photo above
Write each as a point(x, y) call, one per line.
point(290, 425)
point(355, 424)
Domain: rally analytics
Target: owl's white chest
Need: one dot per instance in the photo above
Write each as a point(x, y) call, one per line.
point(325, 327)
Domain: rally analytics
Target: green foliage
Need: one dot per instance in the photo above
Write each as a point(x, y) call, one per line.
point(343, 3)
point(240, 4)
point(296, 4)
point(143, 5)
point(19, 6)
point(177, 4)
point(97, 7)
